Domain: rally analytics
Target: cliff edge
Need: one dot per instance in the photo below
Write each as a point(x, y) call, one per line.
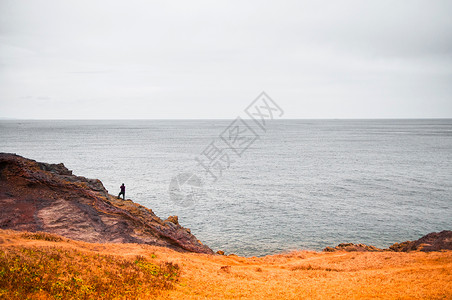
point(37, 196)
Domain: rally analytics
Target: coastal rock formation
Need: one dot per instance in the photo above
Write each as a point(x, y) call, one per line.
point(435, 241)
point(350, 247)
point(38, 196)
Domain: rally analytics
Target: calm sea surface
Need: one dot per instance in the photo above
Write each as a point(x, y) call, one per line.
point(304, 184)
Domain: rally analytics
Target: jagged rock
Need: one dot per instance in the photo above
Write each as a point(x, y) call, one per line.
point(173, 219)
point(220, 252)
point(434, 241)
point(350, 247)
point(329, 249)
point(400, 247)
point(48, 197)
point(58, 169)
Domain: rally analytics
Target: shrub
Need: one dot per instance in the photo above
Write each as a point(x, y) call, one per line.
point(42, 236)
point(66, 273)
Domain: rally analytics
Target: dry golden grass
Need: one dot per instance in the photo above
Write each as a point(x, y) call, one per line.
point(36, 270)
point(295, 275)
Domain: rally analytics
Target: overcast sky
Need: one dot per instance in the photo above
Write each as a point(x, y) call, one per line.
point(210, 59)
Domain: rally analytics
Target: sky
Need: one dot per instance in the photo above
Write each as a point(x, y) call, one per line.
point(91, 59)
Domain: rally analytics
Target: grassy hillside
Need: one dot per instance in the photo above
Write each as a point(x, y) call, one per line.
point(46, 266)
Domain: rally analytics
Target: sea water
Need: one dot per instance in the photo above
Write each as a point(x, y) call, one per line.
point(302, 184)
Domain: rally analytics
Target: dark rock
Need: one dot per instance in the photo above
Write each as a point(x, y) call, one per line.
point(58, 169)
point(435, 241)
point(329, 249)
point(220, 252)
point(47, 197)
point(400, 247)
point(350, 247)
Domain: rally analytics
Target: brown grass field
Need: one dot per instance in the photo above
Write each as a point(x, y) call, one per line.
point(46, 266)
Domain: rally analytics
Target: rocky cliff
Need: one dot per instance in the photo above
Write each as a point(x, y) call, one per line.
point(38, 196)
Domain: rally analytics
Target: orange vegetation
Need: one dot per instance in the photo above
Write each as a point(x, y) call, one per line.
point(45, 266)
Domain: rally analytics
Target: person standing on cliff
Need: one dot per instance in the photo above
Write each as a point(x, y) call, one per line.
point(122, 192)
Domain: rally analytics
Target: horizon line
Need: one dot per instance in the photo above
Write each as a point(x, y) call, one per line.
point(214, 119)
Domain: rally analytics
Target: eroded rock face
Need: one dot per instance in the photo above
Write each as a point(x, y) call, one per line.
point(38, 196)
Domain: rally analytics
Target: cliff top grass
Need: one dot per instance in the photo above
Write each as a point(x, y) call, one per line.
point(47, 266)
point(47, 270)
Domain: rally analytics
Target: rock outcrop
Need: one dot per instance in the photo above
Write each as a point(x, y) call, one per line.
point(435, 241)
point(45, 197)
point(350, 247)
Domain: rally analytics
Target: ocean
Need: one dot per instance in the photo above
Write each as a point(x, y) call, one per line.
point(301, 184)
